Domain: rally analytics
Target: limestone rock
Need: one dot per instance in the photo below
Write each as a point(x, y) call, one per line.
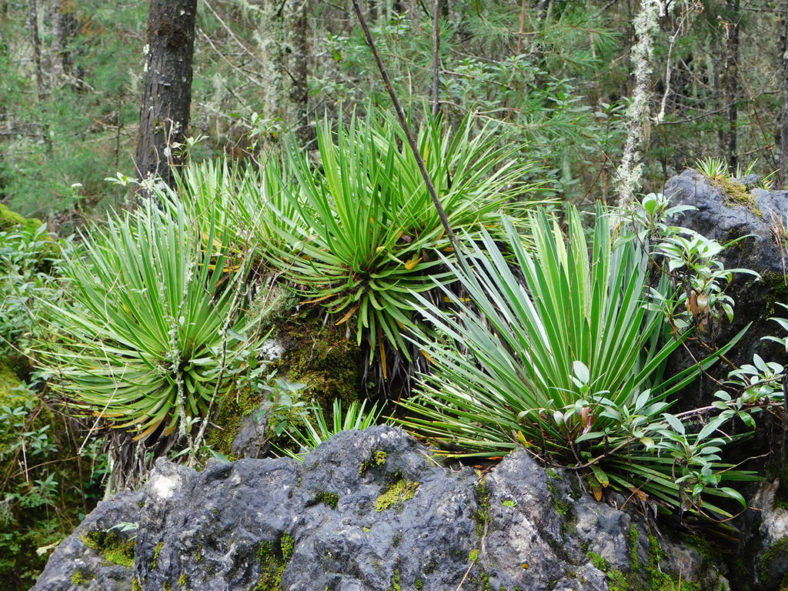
point(370, 511)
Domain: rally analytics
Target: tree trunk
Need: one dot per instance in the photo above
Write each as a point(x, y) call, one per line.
point(41, 91)
point(33, 24)
point(63, 27)
point(298, 59)
point(166, 99)
point(730, 81)
point(784, 111)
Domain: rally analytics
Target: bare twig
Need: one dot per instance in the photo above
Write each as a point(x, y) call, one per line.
point(436, 47)
point(409, 134)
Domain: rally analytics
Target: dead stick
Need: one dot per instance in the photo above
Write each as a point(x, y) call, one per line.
point(404, 123)
point(436, 47)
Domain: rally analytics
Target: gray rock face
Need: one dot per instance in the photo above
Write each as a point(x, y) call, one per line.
point(74, 565)
point(370, 511)
point(772, 558)
point(252, 439)
point(718, 217)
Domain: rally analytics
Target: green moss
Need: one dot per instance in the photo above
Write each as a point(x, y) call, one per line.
point(183, 581)
point(156, 551)
point(136, 585)
point(231, 413)
point(473, 556)
point(114, 548)
point(327, 498)
point(647, 577)
point(81, 578)
point(509, 503)
point(419, 584)
point(273, 561)
point(634, 536)
point(483, 504)
point(9, 384)
point(396, 494)
point(10, 219)
point(775, 551)
point(167, 586)
point(598, 561)
point(736, 194)
point(395, 584)
point(320, 356)
point(376, 459)
point(563, 508)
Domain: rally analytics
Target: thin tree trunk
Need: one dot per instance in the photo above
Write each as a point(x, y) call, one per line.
point(298, 60)
point(33, 25)
point(63, 25)
point(730, 81)
point(646, 26)
point(166, 99)
point(436, 57)
point(40, 86)
point(784, 111)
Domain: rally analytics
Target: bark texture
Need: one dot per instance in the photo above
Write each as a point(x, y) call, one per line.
point(784, 110)
point(166, 99)
point(298, 57)
point(730, 82)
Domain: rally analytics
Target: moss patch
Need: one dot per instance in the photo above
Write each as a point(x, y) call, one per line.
point(736, 194)
point(81, 578)
point(156, 552)
point(376, 459)
point(273, 559)
point(10, 219)
point(109, 543)
point(316, 354)
point(641, 577)
point(483, 511)
point(396, 494)
point(776, 552)
point(231, 413)
point(326, 498)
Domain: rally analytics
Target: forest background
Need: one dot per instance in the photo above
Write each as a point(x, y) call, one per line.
point(554, 77)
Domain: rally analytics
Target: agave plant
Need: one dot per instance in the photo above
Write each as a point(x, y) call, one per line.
point(247, 203)
point(368, 235)
point(154, 324)
point(567, 360)
point(316, 429)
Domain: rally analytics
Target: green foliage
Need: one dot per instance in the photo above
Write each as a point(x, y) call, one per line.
point(315, 429)
point(249, 203)
point(155, 324)
point(567, 362)
point(43, 494)
point(714, 168)
point(693, 263)
point(544, 88)
point(368, 234)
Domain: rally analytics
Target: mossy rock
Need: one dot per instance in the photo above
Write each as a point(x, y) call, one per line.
point(774, 565)
point(10, 220)
point(319, 354)
point(9, 382)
